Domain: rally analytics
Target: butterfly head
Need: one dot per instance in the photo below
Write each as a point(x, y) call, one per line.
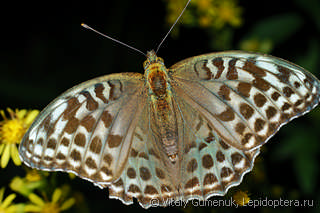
point(152, 58)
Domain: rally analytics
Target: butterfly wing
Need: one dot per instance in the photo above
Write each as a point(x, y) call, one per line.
point(230, 104)
point(227, 106)
point(148, 174)
point(209, 166)
point(88, 129)
point(246, 96)
point(101, 130)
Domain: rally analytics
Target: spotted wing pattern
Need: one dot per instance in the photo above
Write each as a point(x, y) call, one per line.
point(148, 173)
point(245, 96)
point(87, 130)
point(231, 104)
point(209, 166)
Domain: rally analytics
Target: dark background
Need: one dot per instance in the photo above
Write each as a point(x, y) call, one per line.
point(44, 51)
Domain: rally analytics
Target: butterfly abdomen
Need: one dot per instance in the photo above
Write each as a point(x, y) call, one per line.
point(166, 125)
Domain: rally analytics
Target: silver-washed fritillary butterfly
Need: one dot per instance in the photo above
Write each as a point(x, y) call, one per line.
point(188, 132)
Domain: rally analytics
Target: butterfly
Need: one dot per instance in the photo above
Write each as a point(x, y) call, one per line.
point(186, 132)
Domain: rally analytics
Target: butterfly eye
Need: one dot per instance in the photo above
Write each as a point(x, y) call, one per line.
point(160, 60)
point(145, 64)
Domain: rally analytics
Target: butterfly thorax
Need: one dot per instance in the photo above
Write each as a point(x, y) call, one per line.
point(162, 104)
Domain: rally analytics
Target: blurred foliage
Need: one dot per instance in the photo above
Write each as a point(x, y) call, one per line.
point(48, 53)
point(269, 32)
point(216, 16)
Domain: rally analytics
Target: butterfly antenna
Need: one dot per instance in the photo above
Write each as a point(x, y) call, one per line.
point(185, 7)
point(113, 39)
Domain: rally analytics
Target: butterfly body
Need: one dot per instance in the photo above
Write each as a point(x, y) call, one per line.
point(190, 131)
point(162, 104)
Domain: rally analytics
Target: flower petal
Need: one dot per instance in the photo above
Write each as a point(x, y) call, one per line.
point(31, 116)
point(16, 208)
point(1, 148)
point(36, 199)
point(15, 155)
point(67, 204)
point(21, 113)
point(56, 195)
point(1, 194)
point(11, 112)
point(32, 208)
point(5, 156)
point(3, 114)
point(8, 200)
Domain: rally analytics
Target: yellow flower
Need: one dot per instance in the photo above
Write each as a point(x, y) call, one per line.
point(203, 5)
point(34, 179)
point(57, 204)
point(172, 6)
point(213, 14)
point(241, 198)
point(256, 45)
point(205, 21)
point(72, 176)
point(6, 205)
point(12, 130)
point(228, 13)
point(34, 175)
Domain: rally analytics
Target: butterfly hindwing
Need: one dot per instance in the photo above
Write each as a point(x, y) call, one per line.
point(148, 173)
point(208, 165)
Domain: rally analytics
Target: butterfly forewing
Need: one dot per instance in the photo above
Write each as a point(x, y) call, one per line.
point(246, 96)
point(85, 130)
